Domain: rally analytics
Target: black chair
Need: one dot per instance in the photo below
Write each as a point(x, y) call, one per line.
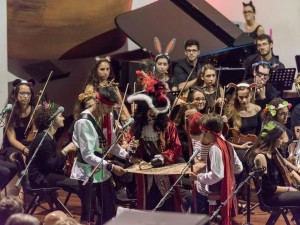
point(39, 195)
point(275, 211)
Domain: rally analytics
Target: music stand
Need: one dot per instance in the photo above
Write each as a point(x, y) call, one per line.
point(283, 79)
point(297, 58)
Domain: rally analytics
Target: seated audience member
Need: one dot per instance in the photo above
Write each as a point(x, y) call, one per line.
point(9, 206)
point(52, 217)
point(67, 221)
point(22, 219)
point(264, 45)
point(261, 74)
point(221, 164)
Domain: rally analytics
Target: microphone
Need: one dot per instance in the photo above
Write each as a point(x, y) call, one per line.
point(194, 155)
point(258, 169)
point(59, 110)
point(129, 122)
point(6, 109)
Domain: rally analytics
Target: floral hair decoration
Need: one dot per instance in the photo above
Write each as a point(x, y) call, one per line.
point(82, 96)
point(49, 105)
point(273, 109)
point(267, 128)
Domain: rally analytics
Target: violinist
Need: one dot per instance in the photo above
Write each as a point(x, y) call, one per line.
point(294, 148)
point(208, 81)
point(101, 75)
point(46, 169)
point(278, 110)
point(197, 97)
point(243, 117)
point(190, 66)
point(15, 143)
point(274, 187)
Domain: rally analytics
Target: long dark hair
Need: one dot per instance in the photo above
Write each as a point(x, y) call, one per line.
point(13, 99)
point(266, 141)
point(93, 78)
point(140, 116)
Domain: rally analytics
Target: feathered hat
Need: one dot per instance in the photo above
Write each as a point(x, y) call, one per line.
point(153, 94)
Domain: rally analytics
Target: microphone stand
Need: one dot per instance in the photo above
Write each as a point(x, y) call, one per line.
point(215, 214)
point(25, 171)
point(188, 165)
point(102, 159)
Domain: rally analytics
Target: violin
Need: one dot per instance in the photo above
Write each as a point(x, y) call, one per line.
point(294, 152)
point(239, 139)
point(71, 156)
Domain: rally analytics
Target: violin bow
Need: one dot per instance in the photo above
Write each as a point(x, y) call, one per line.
point(133, 104)
point(217, 87)
point(123, 102)
point(37, 103)
point(176, 100)
point(223, 103)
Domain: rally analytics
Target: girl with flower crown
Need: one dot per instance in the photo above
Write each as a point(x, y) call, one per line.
point(273, 186)
point(278, 110)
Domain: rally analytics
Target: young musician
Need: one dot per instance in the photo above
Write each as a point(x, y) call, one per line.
point(88, 138)
point(275, 186)
point(46, 168)
point(23, 100)
point(221, 165)
point(154, 139)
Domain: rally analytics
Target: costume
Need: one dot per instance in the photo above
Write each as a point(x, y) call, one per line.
point(46, 169)
point(85, 137)
point(182, 70)
point(222, 164)
point(256, 58)
point(151, 188)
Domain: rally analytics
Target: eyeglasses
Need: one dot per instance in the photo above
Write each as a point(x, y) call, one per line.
point(284, 114)
point(23, 93)
point(245, 12)
point(191, 50)
point(263, 75)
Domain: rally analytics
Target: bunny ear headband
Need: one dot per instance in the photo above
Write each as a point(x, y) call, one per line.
point(245, 85)
point(168, 49)
point(17, 82)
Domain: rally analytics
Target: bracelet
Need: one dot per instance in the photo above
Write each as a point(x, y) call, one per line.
point(23, 149)
point(289, 188)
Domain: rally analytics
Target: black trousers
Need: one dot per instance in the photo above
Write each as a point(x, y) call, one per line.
point(105, 197)
point(7, 171)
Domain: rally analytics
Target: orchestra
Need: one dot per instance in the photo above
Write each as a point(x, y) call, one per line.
point(180, 116)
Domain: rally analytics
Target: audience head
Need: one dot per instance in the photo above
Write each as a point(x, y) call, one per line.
point(9, 206)
point(52, 217)
point(22, 219)
point(66, 221)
